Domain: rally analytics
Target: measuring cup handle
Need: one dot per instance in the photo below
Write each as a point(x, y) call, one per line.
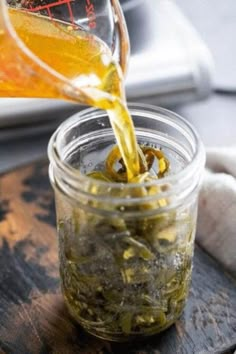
point(123, 42)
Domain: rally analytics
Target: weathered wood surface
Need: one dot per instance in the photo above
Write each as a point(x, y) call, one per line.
point(33, 318)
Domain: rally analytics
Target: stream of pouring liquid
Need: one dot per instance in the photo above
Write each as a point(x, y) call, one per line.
point(84, 60)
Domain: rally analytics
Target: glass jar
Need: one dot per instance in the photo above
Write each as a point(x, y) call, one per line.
point(125, 259)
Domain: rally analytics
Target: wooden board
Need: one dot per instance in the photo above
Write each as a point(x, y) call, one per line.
point(33, 318)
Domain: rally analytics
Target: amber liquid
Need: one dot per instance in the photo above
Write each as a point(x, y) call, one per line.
point(82, 70)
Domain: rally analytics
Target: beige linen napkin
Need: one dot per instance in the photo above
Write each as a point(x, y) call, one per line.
point(216, 231)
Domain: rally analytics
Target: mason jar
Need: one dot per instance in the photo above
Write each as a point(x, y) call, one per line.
point(125, 250)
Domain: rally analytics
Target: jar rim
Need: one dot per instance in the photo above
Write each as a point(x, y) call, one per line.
point(197, 161)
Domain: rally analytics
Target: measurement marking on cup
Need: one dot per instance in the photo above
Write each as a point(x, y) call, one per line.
point(90, 11)
point(54, 4)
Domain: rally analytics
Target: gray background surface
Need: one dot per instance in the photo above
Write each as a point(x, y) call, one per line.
point(215, 20)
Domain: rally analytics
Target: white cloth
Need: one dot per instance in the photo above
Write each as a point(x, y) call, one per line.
point(216, 231)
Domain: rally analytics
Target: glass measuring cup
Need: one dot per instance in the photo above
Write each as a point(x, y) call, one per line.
point(23, 67)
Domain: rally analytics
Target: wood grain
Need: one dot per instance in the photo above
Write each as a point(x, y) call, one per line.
point(33, 318)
